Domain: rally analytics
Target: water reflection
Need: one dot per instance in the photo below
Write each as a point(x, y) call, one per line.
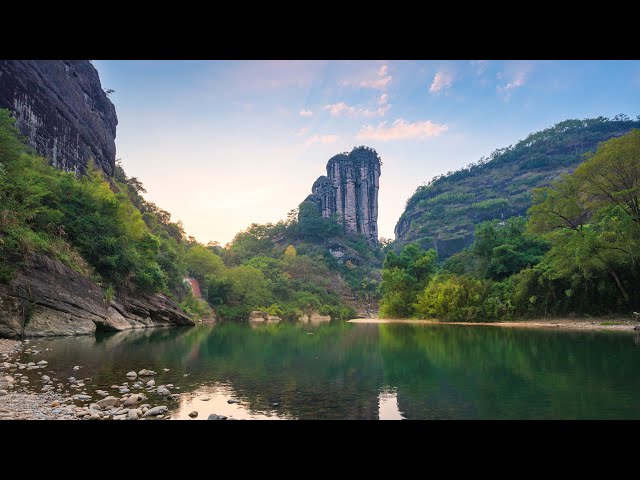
point(364, 371)
point(388, 405)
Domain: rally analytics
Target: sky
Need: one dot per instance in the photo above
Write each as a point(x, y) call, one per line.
point(223, 144)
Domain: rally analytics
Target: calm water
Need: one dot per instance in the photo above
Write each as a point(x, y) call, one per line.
point(360, 371)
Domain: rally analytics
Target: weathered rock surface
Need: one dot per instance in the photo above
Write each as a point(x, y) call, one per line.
point(63, 111)
point(47, 298)
point(350, 190)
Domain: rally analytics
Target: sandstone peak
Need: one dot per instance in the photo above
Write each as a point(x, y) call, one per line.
point(350, 190)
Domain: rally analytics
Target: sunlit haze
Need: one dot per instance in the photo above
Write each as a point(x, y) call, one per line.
point(223, 144)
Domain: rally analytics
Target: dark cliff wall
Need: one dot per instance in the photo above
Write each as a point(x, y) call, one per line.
point(350, 190)
point(61, 108)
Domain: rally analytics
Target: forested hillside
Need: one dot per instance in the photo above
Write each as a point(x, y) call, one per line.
point(443, 213)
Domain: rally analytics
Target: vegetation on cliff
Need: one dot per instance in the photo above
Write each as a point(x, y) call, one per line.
point(577, 253)
point(443, 213)
point(106, 230)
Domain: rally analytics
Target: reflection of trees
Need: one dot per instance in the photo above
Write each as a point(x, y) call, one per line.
point(439, 371)
point(474, 372)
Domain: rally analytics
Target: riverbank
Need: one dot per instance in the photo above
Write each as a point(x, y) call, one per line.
point(620, 324)
point(31, 391)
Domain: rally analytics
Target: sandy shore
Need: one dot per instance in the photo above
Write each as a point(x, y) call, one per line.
point(622, 324)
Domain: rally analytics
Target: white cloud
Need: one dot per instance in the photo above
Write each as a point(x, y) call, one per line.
point(441, 81)
point(302, 131)
point(336, 109)
point(401, 130)
point(516, 80)
point(321, 139)
point(341, 108)
point(306, 113)
point(379, 82)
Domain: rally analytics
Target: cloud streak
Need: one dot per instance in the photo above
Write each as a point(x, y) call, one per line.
point(321, 139)
point(401, 129)
point(306, 113)
point(342, 108)
point(517, 80)
point(380, 82)
point(441, 81)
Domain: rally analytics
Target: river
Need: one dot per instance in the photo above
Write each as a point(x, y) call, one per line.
point(363, 371)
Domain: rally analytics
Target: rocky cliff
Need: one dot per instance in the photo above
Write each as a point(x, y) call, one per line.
point(61, 108)
point(47, 298)
point(350, 190)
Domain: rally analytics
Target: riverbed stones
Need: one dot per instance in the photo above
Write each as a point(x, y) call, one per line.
point(8, 379)
point(233, 400)
point(193, 414)
point(42, 362)
point(159, 410)
point(637, 328)
point(134, 399)
point(132, 375)
point(108, 402)
point(151, 383)
point(146, 373)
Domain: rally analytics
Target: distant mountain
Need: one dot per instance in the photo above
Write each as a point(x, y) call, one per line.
point(443, 213)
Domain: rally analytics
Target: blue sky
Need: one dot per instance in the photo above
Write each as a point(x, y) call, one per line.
point(223, 144)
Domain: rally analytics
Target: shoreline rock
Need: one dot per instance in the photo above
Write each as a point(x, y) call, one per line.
point(64, 303)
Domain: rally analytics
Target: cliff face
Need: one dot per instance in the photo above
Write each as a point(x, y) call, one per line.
point(350, 190)
point(61, 108)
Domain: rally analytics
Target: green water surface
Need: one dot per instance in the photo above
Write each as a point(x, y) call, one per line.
point(368, 371)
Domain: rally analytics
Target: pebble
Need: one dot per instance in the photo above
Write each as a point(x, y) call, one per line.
point(134, 414)
point(133, 399)
point(46, 378)
point(108, 402)
point(151, 383)
point(213, 416)
point(132, 374)
point(164, 391)
point(233, 400)
point(146, 373)
point(95, 416)
point(76, 368)
point(166, 369)
point(120, 417)
point(155, 411)
point(193, 414)
point(42, 362)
